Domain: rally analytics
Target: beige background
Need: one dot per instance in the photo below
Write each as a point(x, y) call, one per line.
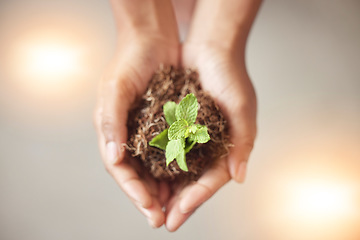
point(304, 59)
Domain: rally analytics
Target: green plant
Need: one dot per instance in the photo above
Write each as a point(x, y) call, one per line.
point(183, 133)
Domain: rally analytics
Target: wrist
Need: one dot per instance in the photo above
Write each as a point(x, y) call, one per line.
point(227, 44)
point(226, 35)
point(195, 54)
point(223, 24)
point(154, 42)
point(205, 48)
point(148, 18)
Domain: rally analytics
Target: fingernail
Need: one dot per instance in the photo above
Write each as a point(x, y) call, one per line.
point(112, 152)
point(151, 223)
point(241, 172)
point(233, 167)
point(143, 203)
point(185, 205)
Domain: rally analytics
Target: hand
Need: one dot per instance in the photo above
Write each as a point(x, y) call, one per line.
point(137, 57)
point(223, 75)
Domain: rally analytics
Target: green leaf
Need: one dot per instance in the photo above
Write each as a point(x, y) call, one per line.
point(173, 149)
point(161, 140)
point(181, 160)
point(187, 109)
point(201, 135)
point(177, 130)
point(169, 109)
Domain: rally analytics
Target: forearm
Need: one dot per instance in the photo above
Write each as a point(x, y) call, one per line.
point(225, 24)
point(146, 17)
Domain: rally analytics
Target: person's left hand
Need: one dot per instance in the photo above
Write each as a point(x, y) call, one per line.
point(223, 74)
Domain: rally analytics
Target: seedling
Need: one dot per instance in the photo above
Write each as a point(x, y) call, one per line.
point(183, 133)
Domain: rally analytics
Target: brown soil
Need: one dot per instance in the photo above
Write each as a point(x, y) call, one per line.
point(146, 120)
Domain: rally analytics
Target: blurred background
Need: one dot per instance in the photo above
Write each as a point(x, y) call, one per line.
point(303, 180)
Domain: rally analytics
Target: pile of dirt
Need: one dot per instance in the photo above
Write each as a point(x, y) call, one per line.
point(146, 120)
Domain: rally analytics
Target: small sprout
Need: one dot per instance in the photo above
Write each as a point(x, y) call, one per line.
point(183, 133)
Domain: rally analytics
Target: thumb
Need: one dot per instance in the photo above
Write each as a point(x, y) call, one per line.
point(110, 119)
point(243, 132)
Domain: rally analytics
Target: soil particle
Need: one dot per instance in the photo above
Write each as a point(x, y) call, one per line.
point(146, 120)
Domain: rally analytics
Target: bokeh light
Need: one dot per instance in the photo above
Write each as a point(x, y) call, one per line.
point(312, 200)
point(315, 200)
point(51, 60)
point(47, 64)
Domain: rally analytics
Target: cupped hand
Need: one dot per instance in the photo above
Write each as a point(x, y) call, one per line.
point(223, 74)
point(137, 58)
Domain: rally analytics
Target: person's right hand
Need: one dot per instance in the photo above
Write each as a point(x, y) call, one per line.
point(137, 57)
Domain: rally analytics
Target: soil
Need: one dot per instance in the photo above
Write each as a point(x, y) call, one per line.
point(146, 120)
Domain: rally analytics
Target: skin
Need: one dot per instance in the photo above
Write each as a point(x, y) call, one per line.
point(215, 46)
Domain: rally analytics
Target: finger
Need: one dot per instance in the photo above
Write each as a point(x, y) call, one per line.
point(115, 97)
point(243, 132)
point(238, 160)
point(154, 214)
point(196, 194)
point(174, 217)
point(164, 193)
